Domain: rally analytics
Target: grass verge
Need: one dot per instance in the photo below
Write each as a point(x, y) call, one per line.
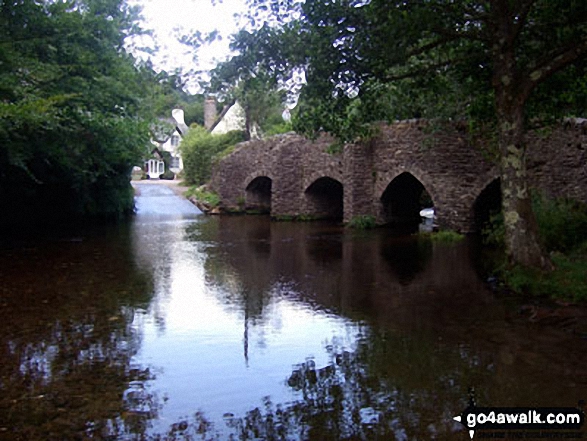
point(208, 198)
point(568, 281)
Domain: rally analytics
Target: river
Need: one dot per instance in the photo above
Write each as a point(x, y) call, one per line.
point(178, 325)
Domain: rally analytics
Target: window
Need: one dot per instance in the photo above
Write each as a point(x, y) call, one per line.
point(174, 141)
point(174, 163)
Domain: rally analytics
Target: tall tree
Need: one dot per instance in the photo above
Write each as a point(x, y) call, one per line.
point(256, 89)
point(499, 60)
point(73, 106)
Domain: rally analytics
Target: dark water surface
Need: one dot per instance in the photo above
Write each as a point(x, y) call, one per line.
point(180, 326)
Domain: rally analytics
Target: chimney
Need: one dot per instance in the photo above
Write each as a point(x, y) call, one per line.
point(209, 112)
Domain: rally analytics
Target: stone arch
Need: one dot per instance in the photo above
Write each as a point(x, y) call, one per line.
point(487, 203)
point(324, 198)
point(402, 199)
point(258, 192)
point(329, 172)
point(384, 179)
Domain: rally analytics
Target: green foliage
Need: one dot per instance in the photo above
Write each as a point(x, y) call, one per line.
point(562, 224)
point(209, 198)
point(167, 175)
point(284, 217)
point(257, 91)
point(563, 231)
point(335, 148)
point(362, 222)
point(199, 148)
point(278, 128)
point(307, 218)
point(493, 231)
point(444, 236)
point(566, 281)
point(74, 109)
point(442, 64)
point(223, 154)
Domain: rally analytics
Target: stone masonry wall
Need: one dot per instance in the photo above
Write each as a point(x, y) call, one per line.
point(453, 171)
point(290, 161)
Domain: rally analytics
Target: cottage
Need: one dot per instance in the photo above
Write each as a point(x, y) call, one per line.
point(167, 140)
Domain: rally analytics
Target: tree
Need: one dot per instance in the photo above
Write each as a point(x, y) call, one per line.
point(256, 90)
point(496, 61)
point(74, 109)
point(200, 147)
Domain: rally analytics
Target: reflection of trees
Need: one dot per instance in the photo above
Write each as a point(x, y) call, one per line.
point(402, 384)
point(387, 387)
point(67, 341)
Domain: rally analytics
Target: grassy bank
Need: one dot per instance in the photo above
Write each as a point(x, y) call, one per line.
point(563, 232)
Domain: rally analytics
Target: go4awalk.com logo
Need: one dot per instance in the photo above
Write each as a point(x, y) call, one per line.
point(546, 420)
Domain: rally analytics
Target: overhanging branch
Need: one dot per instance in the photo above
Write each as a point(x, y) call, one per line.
point(553, 63)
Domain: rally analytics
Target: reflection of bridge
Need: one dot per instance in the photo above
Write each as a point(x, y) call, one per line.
point(406, 167)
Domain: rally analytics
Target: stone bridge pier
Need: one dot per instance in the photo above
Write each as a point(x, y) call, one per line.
point(403, 169)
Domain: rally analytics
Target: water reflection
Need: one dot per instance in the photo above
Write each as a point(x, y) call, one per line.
point(68, 340)
point(188, 327)
point(434, 329)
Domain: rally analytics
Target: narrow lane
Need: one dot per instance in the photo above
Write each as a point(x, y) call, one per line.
point(155, 198)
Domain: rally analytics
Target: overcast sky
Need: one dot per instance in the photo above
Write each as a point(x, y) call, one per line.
point(170, 18)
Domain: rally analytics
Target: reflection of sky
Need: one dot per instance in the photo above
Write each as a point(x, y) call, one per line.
point(194, 340)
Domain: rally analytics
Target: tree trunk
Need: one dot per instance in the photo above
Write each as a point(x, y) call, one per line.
point(521, 229)
point(247, 123)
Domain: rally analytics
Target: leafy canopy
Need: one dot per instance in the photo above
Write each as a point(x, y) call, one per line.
point(75, 107)
point(367, 61)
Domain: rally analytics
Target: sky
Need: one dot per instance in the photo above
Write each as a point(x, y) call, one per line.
point(170, 18)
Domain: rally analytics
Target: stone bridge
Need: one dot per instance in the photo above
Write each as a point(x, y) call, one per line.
point(406, 167)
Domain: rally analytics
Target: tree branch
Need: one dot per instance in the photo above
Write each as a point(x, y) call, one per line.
point(432, 45)
point(467, 35)
point(423, 71)
point(552, 63)
point(522, 16)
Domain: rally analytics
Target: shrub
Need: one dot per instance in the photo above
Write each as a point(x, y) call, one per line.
point(446, 236)
point(207, 197)
point(493, 232)
point(279, 128)
point(168, 175)
point(562, 224)
point(362, 222)
point(562, 227)
point(199, 147)
point(567, 281)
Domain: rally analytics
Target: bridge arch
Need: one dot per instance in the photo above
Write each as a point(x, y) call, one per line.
point(258, 191)
point(402, 199)
point(324, 198)
point(332, 172)
point(487, 203)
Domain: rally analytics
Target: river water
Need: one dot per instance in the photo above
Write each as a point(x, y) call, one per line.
point(182, 326)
